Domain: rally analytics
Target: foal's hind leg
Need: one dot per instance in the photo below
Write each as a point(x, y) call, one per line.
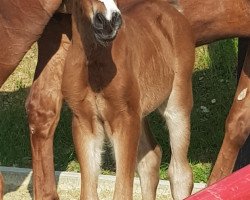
point(237, 126)
point(148, 162)
point(44, 104)
point(177, 114)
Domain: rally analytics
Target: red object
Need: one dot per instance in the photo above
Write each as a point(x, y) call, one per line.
point(233, 187)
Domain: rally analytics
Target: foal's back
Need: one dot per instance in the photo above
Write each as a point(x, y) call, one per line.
point(155, 43)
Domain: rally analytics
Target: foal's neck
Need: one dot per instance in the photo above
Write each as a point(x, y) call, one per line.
point(83, 38)
point(97, 59)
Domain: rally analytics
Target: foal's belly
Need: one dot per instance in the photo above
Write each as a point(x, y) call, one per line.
point(155, 90)
point(152, 99)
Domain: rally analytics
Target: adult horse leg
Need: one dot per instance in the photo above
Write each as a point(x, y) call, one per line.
point(237, 126)
point(44, 103)
point(177, 112)
point(20, 26)
point(242, 159)
point(148, 162)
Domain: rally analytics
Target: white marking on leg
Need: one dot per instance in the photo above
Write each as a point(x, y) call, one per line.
point(242, 95)
point(111, 7)
point(179, 171)
point(94, 148)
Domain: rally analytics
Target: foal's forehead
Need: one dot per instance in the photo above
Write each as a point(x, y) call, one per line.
point(111, 7)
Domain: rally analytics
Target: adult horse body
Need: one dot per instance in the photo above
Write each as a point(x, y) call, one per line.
point(214, 20)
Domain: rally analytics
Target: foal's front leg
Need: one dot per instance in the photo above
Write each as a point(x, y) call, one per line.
point(237, 126)
point(44, 104)
point(88, 138)
point(126, 133)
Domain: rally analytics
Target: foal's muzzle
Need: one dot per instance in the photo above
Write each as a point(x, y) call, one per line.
point(105, 30)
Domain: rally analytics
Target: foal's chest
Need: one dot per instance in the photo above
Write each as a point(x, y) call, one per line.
point(99, 105)
point(112, 87)
point(115, 98)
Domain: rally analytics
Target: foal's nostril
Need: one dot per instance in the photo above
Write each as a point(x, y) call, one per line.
point(105, 29)
point(99, 21)
point(116, 20)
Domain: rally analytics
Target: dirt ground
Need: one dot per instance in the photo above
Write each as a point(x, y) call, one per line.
point(18, 185)
point(24, 194)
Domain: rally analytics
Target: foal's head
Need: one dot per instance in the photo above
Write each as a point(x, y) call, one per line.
point(104, 17)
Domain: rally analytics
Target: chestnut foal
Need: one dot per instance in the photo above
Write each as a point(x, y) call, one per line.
point(112, 86)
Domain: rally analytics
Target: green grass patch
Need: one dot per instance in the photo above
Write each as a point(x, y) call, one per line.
point(213, 87)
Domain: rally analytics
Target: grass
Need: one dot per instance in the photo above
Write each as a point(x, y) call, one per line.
point(213, 87)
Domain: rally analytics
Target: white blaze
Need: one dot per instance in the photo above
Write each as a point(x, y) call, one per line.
point(110, 8)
